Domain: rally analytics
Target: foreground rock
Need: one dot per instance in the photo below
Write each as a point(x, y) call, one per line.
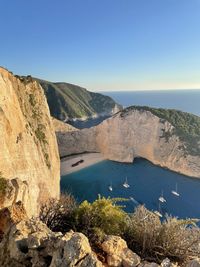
point(28, 147)
point(118, 253)
point(134, 133)
point(31, 243)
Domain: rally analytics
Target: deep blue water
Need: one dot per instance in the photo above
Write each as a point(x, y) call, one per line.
point(185, 100)
point(146, 183)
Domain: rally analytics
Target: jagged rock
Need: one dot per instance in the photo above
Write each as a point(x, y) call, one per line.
point(148, 264)
point(11, 215)
point(32, 243)
point(194, 263)
point(16, 190)
point(28, 147)
point(118, 253)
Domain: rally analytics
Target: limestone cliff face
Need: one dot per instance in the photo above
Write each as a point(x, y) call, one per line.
point(28, 144)
point(132, 134)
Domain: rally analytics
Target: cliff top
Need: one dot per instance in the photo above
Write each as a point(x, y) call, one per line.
point(186, 125)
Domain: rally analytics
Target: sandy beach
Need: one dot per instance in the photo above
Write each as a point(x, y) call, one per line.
point(89, 159)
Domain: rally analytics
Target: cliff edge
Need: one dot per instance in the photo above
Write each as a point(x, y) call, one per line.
point(168, 138)
point(28, 144)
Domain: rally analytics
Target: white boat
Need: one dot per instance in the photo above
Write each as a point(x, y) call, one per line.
point(125, 184)
point(134, 200)
point(110, 187)
point(175, 192)
point(162, 199)
point(158, 212)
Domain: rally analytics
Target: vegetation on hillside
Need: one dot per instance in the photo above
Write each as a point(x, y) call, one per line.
point(71, 101)
point(3, 186)
point(186, 126)
point(143, 231)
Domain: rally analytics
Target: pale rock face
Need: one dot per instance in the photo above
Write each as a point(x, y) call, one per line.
point(124, 137)
point(118, 254)
point(194, 263)
point(32, 243)
point(28, 144)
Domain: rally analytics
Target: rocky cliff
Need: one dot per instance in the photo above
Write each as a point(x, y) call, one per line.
point(28, 144)
point(139, 132)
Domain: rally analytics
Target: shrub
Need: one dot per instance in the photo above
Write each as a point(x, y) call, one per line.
point(176, 239)
point(58, 214)
point(3, 186)
point(101, 217)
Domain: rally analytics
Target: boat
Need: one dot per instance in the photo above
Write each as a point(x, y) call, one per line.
point(162, 199)
point(125, 184)
point(175, 192)
point(110, 187)
point(134, 200)
point(158, 212)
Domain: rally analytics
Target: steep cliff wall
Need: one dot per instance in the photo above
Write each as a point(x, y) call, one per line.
point(135, 133)
point(28, 147)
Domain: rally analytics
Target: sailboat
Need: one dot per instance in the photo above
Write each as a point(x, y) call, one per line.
point(161, 198)
point(158, 212)
point(175, 192)
point(134, 200)
point(125, 184)
point(110, 187)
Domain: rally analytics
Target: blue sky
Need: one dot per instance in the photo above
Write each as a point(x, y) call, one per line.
point(105, 44)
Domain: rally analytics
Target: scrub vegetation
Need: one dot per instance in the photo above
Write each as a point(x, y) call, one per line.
point(143, 230)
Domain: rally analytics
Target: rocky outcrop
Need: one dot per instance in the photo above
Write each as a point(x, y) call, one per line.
point(61, 126)
point(28, 144)
point(118, 254)
point(31, 243)
point(133, 133)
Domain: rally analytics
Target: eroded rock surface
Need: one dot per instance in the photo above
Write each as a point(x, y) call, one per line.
point(32, 243)
point(130, 134)
point(28, 143)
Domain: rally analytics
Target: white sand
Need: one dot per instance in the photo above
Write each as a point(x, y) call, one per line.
point(89, 159)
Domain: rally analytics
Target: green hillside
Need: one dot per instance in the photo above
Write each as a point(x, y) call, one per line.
point(187, 126)
point(71, 101)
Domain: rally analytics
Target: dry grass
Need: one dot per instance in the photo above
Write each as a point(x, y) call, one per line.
point(176, 239)
point(58, 214)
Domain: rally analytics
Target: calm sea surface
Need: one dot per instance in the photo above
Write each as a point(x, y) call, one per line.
point(146, 180)
point(185, 100)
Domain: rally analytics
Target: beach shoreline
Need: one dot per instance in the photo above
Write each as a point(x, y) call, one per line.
point(88, 160)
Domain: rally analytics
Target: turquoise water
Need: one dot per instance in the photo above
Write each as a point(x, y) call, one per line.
point(146, 183)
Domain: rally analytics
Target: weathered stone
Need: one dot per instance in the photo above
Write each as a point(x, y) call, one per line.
point(28, 143)
point(11, 215)
point(130, 259)
point(194, 263)
point(148, 264)
point(118, 253)
point(32, 243)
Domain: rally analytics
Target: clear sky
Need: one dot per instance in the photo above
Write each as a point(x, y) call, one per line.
point(104, 44)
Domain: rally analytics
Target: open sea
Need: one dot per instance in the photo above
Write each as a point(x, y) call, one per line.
point(146, 180)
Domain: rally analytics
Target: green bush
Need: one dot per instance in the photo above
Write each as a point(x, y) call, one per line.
point(3, 186)
point(101, 217)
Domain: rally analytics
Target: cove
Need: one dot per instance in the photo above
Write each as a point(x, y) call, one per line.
point(146, 181)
